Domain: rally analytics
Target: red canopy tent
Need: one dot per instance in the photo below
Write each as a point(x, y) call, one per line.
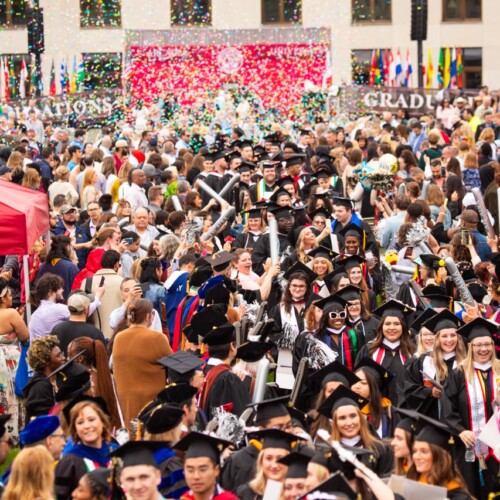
point(24, 217)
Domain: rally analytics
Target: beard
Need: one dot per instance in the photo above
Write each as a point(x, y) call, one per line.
point(70, 222)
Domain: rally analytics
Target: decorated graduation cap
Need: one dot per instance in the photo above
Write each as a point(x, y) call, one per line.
point(335, 484)
point(81, 398)
point(331, 301)
point(3, 423)
point(294, 159)
point(38, 429)
point(341, 396)
point(270, 408)
point(352, 230)
point(220, 260)
point(432, 261)
point(343, 202)
point(134, 453)
point(381, 375)
point(444, 319)
point(321, 251)
point(297, 463)
point(181, 365)
point(275, 438)
point(162, 417)
point(437, 296)
point(479, 327)
point(253, 351)
point(298, 267)
point(393, 308)
point(416, 326)
point(197, 445)
point(176, 393)
point(333, 372)
point(321, 211)
point(350, 293)
point(253, 213)
point(351, 262)
point(220, 335)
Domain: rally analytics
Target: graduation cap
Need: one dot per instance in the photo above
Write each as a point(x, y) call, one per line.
point(321, 211)
point(81, 398)
point(176, 393)
point(333, 372)
point(279, 192)
point(393, 308)
point(259, 151)
point(328, 279)
point(199, 276)
point(294, 159)
point(102, 479)
point(220, 335)
point(205, 320)
point(77, 381)
point(381, 375)
point(214, 156)
point(437, 296)
point(343, 202)
point(65, 367)
point(350, 293)
point(409, 423)
point(197, 444)
point(218, 294)
point(220, 260)
point(230, 154)
point(321, 251)
point(276, 438)
point(296, 463)
point(270, 408)
point(4, 418)
point(428, 313)
point(341, 396)
point(306, 190)
point(432, 261)
point(478, 327)
point(313, 299)
point(162, 418)
point(272, 137)
point(351, 262)
point(285, 181)
point(245, 144)
point(253, 213)
point(253, 351)
point(298, 267)
point(269, 164)
point(331, 301)
point(38, 429)
point(335, 484)
point(138, 453)
point(442, 320)
point(181, 365)
point(281, 212)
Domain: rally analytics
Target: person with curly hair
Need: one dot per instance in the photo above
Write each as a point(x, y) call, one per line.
point(44, 356)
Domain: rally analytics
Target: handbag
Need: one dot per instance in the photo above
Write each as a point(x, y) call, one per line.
point(23, 370)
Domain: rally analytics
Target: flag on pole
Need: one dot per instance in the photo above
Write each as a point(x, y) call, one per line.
point(35, 79)
point(12, 82)
point(2, 80)
point(392, 70)
point(430, 69)
point(73, 77)
point(399, 69)
point(447, 68)
point(409, 69)
point(53, 84)
point(80, 80)
point(440, 73)
point(386, 68)
point(67, 77)
point(328, 74)
point(453, 71)
point(23, 76)
point(378, 74)
point(373, 68)
point(62, 77)
point(6, 78)
point(460, 69)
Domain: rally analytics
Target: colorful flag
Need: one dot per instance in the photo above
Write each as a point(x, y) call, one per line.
point(430, 69)
point(23, 76)
point(12, 81)
point(6, 78)
point(373, 68)
point(33, 75)
point(392, 70)
point(378, 74)
point(386, 68)
point(440, 73)
point(53, 84)
point(453, 70)
point(409, 69)
point(460, 69)
point(447, 68)
point(62, 77)
point(80, 80)
point(399, 69)
point(73, 78)
point(2, 79)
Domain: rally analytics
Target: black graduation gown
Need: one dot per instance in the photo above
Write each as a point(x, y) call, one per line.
point(239, 468)
point(244, 492)
point(39, 394)
point(68, 472)
point(173, 484)
point(367, 328)
point(371, 244)
point(275, 314)
point(456, 415)
point(227, 388)
point(261, 251)
point(381, 461)
point(216, 182)
point(246, 240)
point(253, 191)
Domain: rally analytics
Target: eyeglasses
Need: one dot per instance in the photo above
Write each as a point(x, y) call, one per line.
point(478, 347)
point(297, 286)
point(319, 221)
point(337, 315)
point(353, 305)
point(61, 435)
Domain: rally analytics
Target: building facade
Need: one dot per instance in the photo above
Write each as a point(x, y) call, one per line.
point(97, 31)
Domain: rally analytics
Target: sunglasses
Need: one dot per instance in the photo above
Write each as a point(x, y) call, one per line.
point(337, 315)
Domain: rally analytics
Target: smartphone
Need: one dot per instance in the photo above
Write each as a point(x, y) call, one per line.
point(369, 257)
point(464, 237)
point(144, 287)
point(128, 241)
point(443, 171)
point(408, 253)
point(101, 283)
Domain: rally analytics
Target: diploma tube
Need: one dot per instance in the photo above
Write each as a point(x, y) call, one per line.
point(424, 247)
point(229, 186)
point(211, 192)
point(273, 241)
point(464, 292)
point(403, 269)
point(224, 217)
point(261, 380)
point(177, 203)
point(483, 212)
point(425, 188)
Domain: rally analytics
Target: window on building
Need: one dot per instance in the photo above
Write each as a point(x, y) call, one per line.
point(361, 64)
point(12, 13)
point(472, 60)
point(102, 70)
point(100, 13)
point(371, 10)
point(191, 12)
point(460, 10)
point(281, 11)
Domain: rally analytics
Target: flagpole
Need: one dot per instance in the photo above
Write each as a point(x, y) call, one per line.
point(33, 14)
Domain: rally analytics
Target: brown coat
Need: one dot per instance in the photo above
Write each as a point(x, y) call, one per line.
point(139, 378)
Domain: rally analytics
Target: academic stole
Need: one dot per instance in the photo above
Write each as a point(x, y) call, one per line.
point(261, 191)
point(478, 413)
point(379, 356)
point(350, 348)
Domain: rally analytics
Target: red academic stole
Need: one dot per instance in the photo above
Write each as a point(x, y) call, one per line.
point(211, 377)
point(379, 355)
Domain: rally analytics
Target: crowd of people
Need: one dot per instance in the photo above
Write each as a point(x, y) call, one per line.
point(308, 312)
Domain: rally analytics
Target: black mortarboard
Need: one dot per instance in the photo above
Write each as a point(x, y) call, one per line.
point(331, 301)
point(298, 267)
point(229, 154)
point(253, 351)
point(313, 299)
point(220, 260)
point(350, 293)
point(432, 261)
point(199, 276)
point(434, 432)
point(280, 212)
point(65, 367)
point(77, 381)
point(329, 277)
point(393, 308)
point(336, 483)
point(221, 335)
point(428, 313)
point(244, 167)
point(324, 252)
point(4, 418)
point(351, 262)
point(279, 192)
point(138, 453)
point(409, 423)
point(343, 202)
point(306, 190)
point(270, 408)
point(333, 372)
point(218, 294)
point(353, 230)
point(197, 444)
point(206, 319)
point(382, 375)
point(296, 463)
point(341, 396)
point(246, 143)
point(478, 327)
point(305, 132)
point(275, 438)
point(322, 211)
point(176, 393)
point(437, 296)
point(259, 151)
point(213, 156)
point(269, 164)
point(294, 159)
point(285, 181)
point(163, 417)
point(181, 363)
point(444, 319)
point(253, 213)
point(92, 399)
point(102, 479)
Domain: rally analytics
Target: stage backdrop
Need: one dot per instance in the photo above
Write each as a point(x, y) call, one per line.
point(275, 72)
